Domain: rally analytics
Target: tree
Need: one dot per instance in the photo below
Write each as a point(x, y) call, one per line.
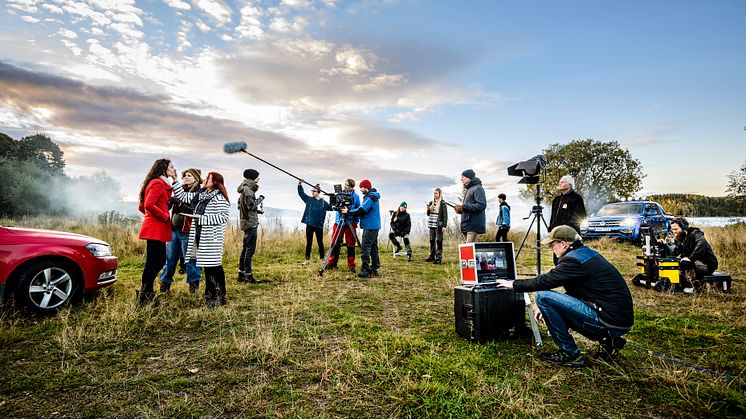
point(42, 151)
point(603, 172)
point(8, 147)
point(737, 183)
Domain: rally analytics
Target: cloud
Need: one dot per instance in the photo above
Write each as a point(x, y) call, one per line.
point(663, 133)
point(178, 4)
point(218, 11)
point(24, 6)
point(30, 19)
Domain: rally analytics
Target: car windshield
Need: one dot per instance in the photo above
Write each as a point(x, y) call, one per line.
point(621, 209)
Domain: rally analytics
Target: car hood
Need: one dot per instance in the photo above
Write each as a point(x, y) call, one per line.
point(611, 217)
point(33, 235)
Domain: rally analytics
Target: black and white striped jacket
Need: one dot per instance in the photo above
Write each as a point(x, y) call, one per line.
point(213, 221)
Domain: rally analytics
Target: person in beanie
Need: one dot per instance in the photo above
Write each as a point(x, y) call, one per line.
point(503, 219)
point(180, 226)
point(155, 193)
point(596, 303)
point(401, 226)
point(346, 229)
point(437, 221)
point(314, 216)
point(472, 210)
point(207, 234)
point(370, 221)
point(248, 207)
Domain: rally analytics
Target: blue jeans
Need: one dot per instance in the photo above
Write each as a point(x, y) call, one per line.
point(562, 312)
point(174, 250)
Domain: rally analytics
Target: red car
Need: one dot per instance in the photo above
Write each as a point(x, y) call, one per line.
point(48, 269)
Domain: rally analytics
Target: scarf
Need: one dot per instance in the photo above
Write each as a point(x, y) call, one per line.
point(199, 203)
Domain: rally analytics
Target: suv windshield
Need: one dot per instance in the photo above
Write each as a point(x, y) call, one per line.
point(621, 209)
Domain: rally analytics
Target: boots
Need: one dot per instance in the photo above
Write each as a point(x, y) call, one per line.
point(250, 279)
point(409, 256)
point(242, 277)
point(165, 287)
point(143, 298)
point(193, 287)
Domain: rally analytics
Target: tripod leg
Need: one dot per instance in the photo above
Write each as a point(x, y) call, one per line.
point(528, 231)
point(534, 325)
point(336, 242)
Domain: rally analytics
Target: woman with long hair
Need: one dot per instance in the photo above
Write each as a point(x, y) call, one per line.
point(207, 233)
point(437, 220)
point(156, 225)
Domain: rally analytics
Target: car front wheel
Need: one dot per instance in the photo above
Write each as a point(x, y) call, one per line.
point(46, 286)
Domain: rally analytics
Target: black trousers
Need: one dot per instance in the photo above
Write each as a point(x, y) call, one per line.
point(214, 282)
point(436, 243)
point(392, 237)
point(371, 262)
point(247, 253)
point(319, 232)
point(502, 234)
point(155, 258)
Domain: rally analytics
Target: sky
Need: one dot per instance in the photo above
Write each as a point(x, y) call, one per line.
point(405, 93)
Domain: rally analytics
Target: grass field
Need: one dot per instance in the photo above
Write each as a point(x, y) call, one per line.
point(298, 345)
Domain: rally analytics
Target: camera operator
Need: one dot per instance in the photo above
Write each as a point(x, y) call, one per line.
point(370, 221)
point(347, 230)
point(473, 219)
point(401, 225)
point(248, 208)
point(437, 221)
point(697, 256)
point(597, 302)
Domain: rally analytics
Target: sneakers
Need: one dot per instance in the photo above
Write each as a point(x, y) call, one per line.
point(364, 274)
point(609, 348)
point(250, 279)
point(437, 262)
point(564, 359)
point(242, 277)
point(430, 259)
point(398, 249)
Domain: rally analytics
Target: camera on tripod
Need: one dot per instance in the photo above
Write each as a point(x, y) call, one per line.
point(340, 199)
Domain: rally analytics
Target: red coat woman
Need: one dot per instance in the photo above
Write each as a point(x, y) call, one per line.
point(156, 226)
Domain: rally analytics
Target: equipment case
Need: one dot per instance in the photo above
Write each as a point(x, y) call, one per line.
point(488, 312)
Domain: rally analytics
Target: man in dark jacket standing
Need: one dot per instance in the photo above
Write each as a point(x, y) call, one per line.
point(597, 302)
point(567, 208)
point(473, 219)
point(697, 256)
point(314, 216)
point(248, 208)
point(370, 221)
point(401, 225)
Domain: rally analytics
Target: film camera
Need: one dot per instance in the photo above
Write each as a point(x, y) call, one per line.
point(340, 199)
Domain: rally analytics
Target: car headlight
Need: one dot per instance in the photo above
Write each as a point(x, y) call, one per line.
point(584, 223)
point(99, 250)
point(628, 222)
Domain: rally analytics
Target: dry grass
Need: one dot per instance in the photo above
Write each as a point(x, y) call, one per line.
point(301, 345)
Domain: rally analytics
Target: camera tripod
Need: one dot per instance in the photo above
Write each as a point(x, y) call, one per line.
point(538, 218)
point(337, 239)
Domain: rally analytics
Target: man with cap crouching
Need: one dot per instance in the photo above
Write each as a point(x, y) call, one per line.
point(597, 302)
point(370, 221)
point(248, 207)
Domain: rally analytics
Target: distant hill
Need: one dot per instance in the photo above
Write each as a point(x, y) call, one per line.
point(692, 205)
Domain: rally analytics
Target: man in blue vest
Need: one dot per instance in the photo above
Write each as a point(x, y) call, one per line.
point(370, 221)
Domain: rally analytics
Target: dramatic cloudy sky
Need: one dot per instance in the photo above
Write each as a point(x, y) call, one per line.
point(407, 93)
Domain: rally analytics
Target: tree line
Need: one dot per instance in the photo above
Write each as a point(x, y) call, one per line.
point(692, 205)
point(34, 182)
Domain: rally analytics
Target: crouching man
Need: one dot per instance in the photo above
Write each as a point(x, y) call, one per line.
point(597, 302)
point(697, 257)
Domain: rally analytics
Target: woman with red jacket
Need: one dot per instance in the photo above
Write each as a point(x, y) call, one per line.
point(156, 226)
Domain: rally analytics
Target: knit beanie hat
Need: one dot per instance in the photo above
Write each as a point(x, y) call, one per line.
point(403, 204)
point(250, 174)
point(196, 174)
point(468, 173)
point(366, 184)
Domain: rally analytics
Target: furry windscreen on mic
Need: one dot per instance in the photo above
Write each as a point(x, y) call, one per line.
point(234, 147)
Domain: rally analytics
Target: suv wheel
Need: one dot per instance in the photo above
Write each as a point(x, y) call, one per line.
point(46, 286)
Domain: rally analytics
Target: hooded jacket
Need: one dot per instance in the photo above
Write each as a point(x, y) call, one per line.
point(401, 224)
point(588, 276)
point(248, 204)
point(314, 214)
point(473, 217)
point(503, 217)
point(369, 211)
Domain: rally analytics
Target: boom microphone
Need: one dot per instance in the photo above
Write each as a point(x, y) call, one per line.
point(240, 146)
point(234, 147)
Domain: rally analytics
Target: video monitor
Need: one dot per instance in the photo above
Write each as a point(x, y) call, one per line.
point(486, 262)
